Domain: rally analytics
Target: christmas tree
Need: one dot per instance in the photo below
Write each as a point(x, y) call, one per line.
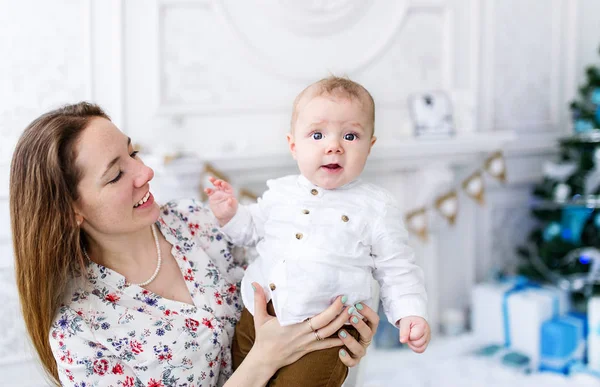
point(564, 248)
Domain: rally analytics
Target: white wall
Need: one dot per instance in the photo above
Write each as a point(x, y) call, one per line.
point(219, 77)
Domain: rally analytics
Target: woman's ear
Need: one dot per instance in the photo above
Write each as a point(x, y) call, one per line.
point(78, 218)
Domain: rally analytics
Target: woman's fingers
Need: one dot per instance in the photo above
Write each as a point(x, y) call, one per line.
point(356, 349)
point(315, 345)
point(366, 334)
point(324, 318)
point(260, 305)
point(372, 317)
point(348, 360)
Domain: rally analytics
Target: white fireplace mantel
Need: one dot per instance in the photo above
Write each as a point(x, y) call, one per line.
point(408, 154)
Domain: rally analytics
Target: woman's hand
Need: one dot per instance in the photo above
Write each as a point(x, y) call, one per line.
point(276, 346)
point(280, 346)
point(366, 328)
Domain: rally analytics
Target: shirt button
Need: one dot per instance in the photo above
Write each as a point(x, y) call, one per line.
point(305, 212)
point(314, 192)
point(299, 236)
point(272, 286)
point(345, 218)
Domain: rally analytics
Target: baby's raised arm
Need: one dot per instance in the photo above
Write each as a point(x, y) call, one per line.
point(222, 200)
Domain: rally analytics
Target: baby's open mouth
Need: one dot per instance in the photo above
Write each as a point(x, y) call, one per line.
point(331, 166)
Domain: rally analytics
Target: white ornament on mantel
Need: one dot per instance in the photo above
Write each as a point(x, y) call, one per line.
point(559, 171)
point(562, 192)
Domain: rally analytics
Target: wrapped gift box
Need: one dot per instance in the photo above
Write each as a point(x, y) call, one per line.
point(562, 343)
point(525, 312)
point(487, 312)
point(490, 314)
point(593, 351)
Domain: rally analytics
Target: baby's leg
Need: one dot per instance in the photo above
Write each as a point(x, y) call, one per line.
point(243, 338)
point(316, 369)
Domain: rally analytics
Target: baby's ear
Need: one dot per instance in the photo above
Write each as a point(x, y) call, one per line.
point(292, 144)
point(373, 139)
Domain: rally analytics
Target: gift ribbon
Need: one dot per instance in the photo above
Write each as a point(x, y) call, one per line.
point(521, 283)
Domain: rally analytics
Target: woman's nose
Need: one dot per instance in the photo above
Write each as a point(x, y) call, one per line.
point(144, 175)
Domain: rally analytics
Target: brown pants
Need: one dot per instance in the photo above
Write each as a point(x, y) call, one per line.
point(316, 369)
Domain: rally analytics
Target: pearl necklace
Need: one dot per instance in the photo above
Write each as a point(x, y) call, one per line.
point(158, 263)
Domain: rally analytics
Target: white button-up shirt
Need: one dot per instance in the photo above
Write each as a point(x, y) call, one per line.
point(315, 244)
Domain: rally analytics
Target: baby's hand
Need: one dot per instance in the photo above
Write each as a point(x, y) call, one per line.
point(415, 332)
point(222, 201)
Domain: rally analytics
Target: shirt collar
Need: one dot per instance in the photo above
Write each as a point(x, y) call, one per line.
point(305, 184)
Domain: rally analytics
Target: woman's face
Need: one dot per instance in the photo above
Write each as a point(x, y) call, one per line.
point(114, 182)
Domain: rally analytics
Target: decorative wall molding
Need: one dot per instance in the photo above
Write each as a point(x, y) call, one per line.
point(558, 57)
point(192, 76)
point(279, 56)
point(106, 57)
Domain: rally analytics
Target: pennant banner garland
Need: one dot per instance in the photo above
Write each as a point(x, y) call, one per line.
point(447, 204)
point(473, 186)
point(416, 222)
point(496, 166)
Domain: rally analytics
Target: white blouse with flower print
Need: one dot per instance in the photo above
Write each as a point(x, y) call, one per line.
point(107, 333)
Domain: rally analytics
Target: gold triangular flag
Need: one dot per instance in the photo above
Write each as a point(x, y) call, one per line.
point(473, 186)
point(168, 158)
point(495, 165)
point(416, 222)
point(247, 196)
point(447, 205)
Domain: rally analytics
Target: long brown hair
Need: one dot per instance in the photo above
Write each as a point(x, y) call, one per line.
point(46, 237)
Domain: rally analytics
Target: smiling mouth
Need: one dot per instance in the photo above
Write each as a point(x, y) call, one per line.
point(331, 166)
point(142, 200)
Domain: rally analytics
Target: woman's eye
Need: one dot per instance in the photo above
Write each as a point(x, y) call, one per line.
point(350, 137)
point(317, 135)
point(133, 154)
point(116, 178)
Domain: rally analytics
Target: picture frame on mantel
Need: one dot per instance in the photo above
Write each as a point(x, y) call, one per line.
point(432, 114)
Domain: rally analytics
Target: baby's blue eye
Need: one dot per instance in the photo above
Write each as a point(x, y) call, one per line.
point(350, 137)
point(317, 135)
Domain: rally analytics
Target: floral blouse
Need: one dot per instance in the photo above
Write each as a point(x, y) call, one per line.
point(107, 333)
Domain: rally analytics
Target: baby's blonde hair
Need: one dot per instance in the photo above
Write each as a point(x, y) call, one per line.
point(338, 87)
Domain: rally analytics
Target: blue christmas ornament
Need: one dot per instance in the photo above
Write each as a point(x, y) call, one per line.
point(551, 231)
point(598, 114)
point(584, 259)
point(597, 220)
point(595, 96)
point(582, 126)
point(572, 222)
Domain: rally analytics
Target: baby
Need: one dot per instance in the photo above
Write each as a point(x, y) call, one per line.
point(325, 233)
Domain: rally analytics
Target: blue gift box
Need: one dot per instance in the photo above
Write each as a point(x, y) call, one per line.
point(562, 343)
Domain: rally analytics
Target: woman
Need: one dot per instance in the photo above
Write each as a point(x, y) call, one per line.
point(118, 291)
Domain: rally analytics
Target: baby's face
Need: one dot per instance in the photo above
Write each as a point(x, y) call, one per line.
point(331, 141)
